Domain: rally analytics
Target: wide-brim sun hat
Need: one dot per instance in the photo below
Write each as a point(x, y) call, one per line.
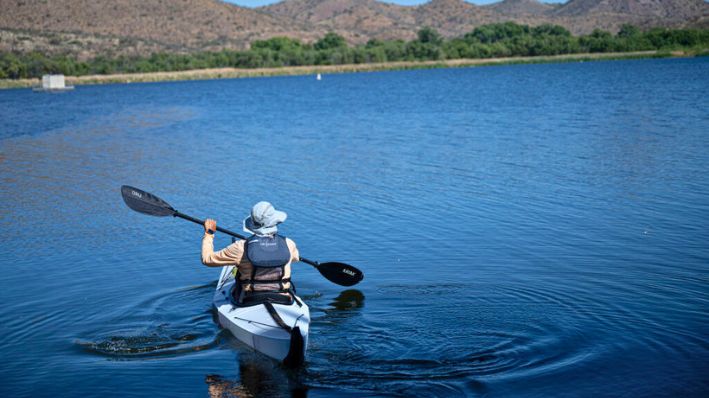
point(264, 219)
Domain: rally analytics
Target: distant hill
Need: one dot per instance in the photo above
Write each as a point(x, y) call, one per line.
point(182, 25)
point(357, 20)
point(672, 9)
point(452, 17)
point(91, 27)
point(518, 8)
point(610, 14)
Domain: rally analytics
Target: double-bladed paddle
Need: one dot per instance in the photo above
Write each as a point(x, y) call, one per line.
point(147, 203)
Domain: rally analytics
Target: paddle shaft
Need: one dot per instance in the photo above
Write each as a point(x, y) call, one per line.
point(232, 233)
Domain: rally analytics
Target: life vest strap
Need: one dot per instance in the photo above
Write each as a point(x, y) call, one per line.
point(257, 281)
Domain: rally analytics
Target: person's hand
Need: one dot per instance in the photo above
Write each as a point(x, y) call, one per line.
point(210, 224)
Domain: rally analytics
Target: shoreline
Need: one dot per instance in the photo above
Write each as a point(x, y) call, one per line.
point(232, 73)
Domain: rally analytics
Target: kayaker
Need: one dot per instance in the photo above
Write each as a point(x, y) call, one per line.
point(263, 260)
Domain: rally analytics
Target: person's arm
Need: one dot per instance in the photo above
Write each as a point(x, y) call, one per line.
point(294, 253)
point(230, 255)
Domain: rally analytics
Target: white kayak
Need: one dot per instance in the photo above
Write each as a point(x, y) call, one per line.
point(256, 327)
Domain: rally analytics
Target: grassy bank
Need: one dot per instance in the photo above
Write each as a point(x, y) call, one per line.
point(229, 73)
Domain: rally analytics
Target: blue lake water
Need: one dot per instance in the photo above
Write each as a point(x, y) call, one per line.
point(530, 230)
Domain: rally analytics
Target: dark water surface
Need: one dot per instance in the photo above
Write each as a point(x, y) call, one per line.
point(535, 230)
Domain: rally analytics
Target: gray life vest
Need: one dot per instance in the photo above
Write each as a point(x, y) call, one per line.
point(268, 255)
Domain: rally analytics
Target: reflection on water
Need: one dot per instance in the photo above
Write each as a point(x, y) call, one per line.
point(258, 377)
point(219, 387)
point(348, 300)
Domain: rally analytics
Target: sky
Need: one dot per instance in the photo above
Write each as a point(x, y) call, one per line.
point(256, 3)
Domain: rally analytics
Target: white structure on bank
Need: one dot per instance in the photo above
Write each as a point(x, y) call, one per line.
point(53, 83)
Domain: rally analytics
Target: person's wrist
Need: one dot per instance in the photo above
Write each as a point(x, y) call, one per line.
point(209, 231)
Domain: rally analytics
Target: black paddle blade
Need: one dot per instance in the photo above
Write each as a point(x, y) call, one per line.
point(296, 353)
point(146, 203)
point(340, 273)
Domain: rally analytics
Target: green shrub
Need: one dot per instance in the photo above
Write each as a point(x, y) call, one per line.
point(494, 40)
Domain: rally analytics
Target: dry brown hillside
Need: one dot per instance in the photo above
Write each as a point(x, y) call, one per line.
point(361, 19)
point(173, 24)
point(586, 15)
point(452, 17)
point(92, 27)
point(357, 20)
point(522, 7)
point(671, 9)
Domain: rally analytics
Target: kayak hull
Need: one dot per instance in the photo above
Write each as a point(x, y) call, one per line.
point(255, 327)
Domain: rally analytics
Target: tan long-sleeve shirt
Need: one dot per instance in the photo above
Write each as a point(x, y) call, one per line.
point(234, 254)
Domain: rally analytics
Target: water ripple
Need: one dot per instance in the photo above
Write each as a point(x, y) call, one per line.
point(534, 230)
point(157, 326)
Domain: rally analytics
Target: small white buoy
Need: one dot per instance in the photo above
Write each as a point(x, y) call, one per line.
point(318, 77)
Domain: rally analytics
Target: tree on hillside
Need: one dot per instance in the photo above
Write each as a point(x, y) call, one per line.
point(278, 43)
point(330, 41)
point(598, 41)
point(495, 32)
point(629, 31)
point(430, 36)
point(550, 30)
